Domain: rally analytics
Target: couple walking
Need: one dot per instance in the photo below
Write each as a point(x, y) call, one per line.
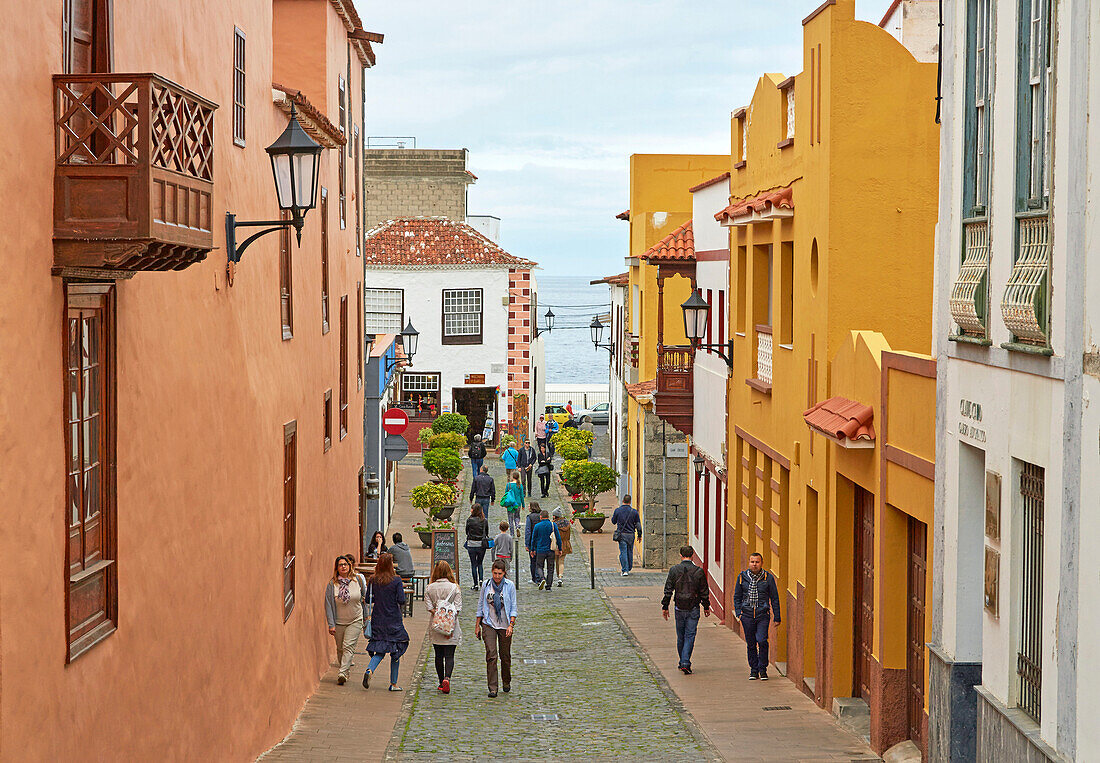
point(493, 624)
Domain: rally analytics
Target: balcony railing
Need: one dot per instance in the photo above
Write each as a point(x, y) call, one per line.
point(134, 172)
point(968, 294)
point(1025, 305)
point(673, 400)
point(634, 352)
point(762, 382)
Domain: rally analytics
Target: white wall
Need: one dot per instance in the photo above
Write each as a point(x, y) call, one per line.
point(423, 306)
point(914, 23)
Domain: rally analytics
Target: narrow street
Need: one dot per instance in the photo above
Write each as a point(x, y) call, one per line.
point(594, 678)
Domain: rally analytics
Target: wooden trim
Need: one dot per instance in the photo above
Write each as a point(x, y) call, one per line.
point(739, 165)
point(759, 532)
point(911, 462)
point(88, 572)
point(745, 490)
point(759, 473)
point(909, 364)
point(775, 515)
point(774, 545)
point(365, 36)
point(759, 386)
point(762, 328)
point(817, 11)
point(465, 339)
point(760, 445)
point(776, 487)
point(740, 113)
point(744, 517)
point(789, 82)
point(745, 461)
point(759, 501)
point(787, 143)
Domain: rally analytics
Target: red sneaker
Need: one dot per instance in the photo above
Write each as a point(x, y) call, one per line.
point(445, 687)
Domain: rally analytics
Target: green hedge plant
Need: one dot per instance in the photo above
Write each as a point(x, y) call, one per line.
point(590, 479)
point(444, 463)
point(429, 497)
point(451, 422)
point(571, 450)
point(573, 435)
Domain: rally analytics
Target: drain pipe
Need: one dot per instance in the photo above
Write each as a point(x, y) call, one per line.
point(664, 499)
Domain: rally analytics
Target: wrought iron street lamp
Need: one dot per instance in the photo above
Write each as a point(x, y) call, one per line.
point(549, 324)
point(596, 327)
point(295, 164)
point(698, 462)
point(696, 319)
point(410, 337)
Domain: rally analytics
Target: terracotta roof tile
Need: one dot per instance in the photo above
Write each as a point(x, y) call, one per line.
point(841, 418)
point(624, 215)
point(709, 183)
point(642, 389)
point(676, 246)
point(617, 280)
point(316, 124)
point(419, 242)
point(779, 198)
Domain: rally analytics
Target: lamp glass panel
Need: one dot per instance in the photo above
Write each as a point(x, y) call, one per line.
point(305, 172)
point(702, 318)
point(280, 166)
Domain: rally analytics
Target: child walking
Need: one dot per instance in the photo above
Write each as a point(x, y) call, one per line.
point(504, 547)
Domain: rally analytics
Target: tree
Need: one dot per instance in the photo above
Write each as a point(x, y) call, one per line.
point(444, 463)
point(451, 422)
point(590, 479)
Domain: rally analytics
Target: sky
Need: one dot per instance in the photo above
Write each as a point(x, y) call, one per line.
point(551, 99)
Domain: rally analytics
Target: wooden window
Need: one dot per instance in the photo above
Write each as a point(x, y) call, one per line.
point(1029, 657)
point(342, 168)
point(742, 288)
point(238, 87)
point(786, 293)
point(979, 99)
point(286, 279)
point(359, 336)
point(703, 556)
point(326, 420)
point(462, 316)
point(324, 260)
point(86, 36)
point(357, 192)
point(91, 592)
point(711, 316)
point(722, 318)
point(1034, 105)
point(698, 530)
point(719, 520)
point(383, 311)
point(421, 392)
point(343, 366)
point(290, 502)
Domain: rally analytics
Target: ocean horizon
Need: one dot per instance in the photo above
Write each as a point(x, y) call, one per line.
point(570, 356)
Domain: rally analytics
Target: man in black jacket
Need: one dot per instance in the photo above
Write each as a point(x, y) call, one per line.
point(756, 603)
point(689, 585)
point(484, 490)
point(526, 462)
point(477, 455)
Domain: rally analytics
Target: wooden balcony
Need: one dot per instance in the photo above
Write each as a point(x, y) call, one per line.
point(673, 400)
point(134, 174)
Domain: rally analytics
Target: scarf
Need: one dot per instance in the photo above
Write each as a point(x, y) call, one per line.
point(344, 595)
point(752, 598)
point(498, 596)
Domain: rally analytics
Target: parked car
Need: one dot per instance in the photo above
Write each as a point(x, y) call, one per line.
point(557, 413)
point(600, 413)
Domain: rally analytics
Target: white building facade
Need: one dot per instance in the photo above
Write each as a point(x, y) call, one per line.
point(1015, 603)
point(475, 307)
point(707, 495)
point(622, 371)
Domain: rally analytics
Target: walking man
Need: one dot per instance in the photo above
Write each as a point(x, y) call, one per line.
point(756, 603)
point(540, 430)
point(545, 552)
point(483, 490)
point(688, 584)
point(477, 455)
point(526, 463)
point(528, 541)
point(496, 617)
point(627, 524)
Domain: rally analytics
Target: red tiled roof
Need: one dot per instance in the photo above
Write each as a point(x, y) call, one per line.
point(779, 198)
point(618, 280)
point(625, 215)
point(434, 241)
point(316, 124)
point(709, 183)
point(841, 418)
point(642, 388)
point(676, 246)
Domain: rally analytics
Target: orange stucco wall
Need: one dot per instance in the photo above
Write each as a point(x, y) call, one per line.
point(202, 665)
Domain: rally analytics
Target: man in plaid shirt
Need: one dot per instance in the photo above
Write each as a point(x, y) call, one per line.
point(756, 603)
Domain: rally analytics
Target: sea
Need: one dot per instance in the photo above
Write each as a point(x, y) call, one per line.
point(570, 356)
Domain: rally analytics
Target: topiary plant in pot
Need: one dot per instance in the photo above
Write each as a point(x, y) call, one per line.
point(452, 440)
point(437, 502)
point(451, 422)
point(590, 479)
point(444, 463)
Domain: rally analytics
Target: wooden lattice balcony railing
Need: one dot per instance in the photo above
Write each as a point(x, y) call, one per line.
point(134, 173)
point(673, 400)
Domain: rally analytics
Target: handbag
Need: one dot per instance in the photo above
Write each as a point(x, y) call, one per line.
point(542, 470)
point(616, 536)
point(508, 501)
point(368, 610)
point(445, 615)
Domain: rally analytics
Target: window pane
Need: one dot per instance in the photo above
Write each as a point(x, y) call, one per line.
point(74, 343)
point(74, 395)
point(91, 441)
point(91, 340)
point(91, 492)
point(91, 391)
point(74, 500)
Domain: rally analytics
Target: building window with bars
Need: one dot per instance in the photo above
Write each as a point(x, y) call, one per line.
point(326, 419)
point(342, 168)
point(359, 337)
point(1029, 657)
point(238, 87)
point(358, 226)
point(420, 392)
point(786, 90)
point(383, 311)
point(324, 261)
point(462, 316)
point(290, 505)
point(343, 367)
point(91, 572)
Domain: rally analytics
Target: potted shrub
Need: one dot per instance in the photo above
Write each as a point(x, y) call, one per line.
point(590, 479)
point(425, 531)
point(451, 422)
point(452, 440)
point(591, 521)
point(571, 450)
point(506, 441)
point(437, 502)
point(579, 436)
point(444, 463)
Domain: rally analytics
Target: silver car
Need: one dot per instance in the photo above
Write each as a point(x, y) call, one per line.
point(597, 414)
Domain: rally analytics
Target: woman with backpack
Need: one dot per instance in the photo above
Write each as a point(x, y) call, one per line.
point(512, 501)
point(443, 598)
point(477, 542)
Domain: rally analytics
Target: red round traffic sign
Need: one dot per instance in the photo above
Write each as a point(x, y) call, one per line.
point(395, 421)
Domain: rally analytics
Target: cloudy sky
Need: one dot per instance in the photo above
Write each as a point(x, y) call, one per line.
point(553, 98)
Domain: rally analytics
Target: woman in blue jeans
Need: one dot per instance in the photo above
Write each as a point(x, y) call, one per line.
point(477, 533)
point(388, 634)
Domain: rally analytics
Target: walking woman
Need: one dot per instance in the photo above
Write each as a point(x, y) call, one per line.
point(477, 542)
point(344, 612)
point(546, 465)
point(377, 546)
point(513, 501)
point(387, 632)
point(565, 527)
point(445, 595)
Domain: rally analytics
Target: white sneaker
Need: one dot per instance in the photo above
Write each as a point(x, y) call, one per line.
point(623, 574)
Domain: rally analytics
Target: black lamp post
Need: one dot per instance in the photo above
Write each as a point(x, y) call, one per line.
point(698, 462)
point(549, 324)
point(295, 163)
point(410, 337)
point(596, 327)
point(696, 318)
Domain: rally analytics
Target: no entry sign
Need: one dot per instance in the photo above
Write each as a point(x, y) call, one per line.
point(395, 421)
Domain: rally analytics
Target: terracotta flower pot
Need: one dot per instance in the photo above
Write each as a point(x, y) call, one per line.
point(592, 524)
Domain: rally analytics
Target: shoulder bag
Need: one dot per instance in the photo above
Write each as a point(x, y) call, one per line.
point(368, 610)
point(445, 615)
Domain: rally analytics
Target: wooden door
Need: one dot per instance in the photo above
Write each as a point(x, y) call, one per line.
point(864, 590)
point(290, 500)
point(914, 659)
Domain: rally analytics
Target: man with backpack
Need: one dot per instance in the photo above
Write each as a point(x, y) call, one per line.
point(689, 585)
point(477, 455)
point(756, 603)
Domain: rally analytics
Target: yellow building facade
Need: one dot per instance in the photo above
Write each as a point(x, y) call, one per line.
point(659, 204)
point(832, 215)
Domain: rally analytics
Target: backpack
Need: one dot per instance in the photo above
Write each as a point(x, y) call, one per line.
point(445, 616)
point(685, 590)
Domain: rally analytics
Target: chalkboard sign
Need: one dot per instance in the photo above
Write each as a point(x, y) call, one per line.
point(445, 548)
